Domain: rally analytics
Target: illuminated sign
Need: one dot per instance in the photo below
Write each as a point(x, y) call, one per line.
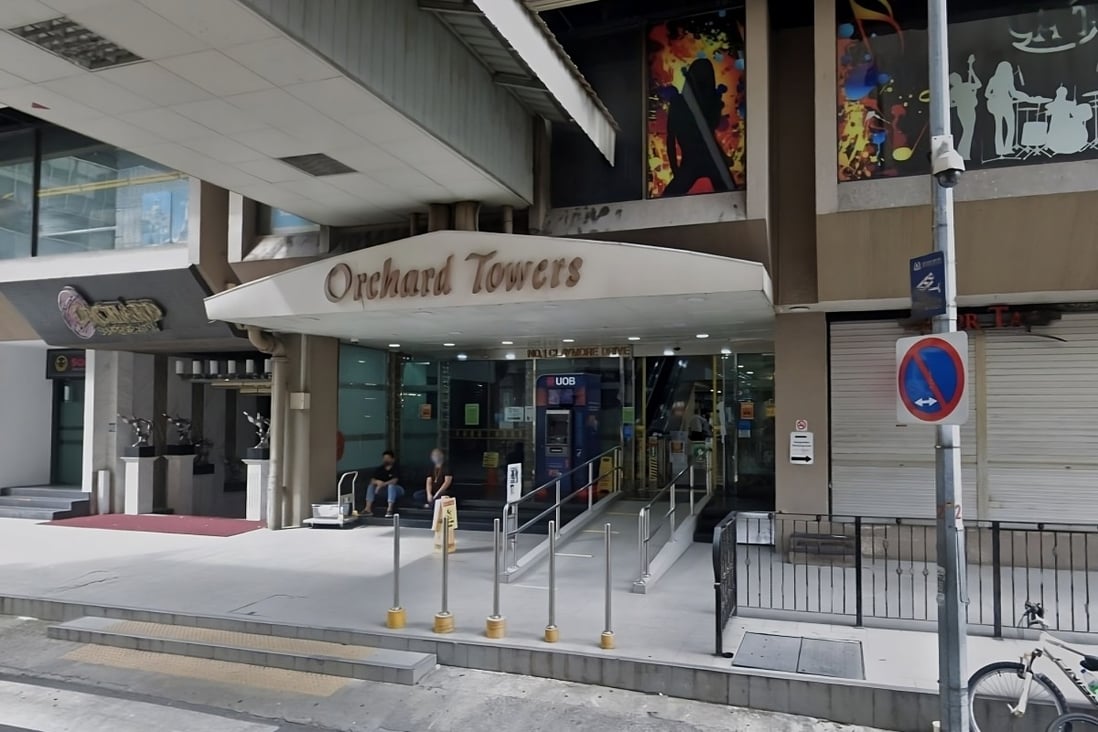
point(110, 317)
point(581, 352)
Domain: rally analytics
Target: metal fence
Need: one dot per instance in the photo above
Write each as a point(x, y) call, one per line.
point(856, 568)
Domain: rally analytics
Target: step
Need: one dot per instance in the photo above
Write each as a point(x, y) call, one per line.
point(41, 502)
point(38, 514)
point(293, 654)
point(45, 492)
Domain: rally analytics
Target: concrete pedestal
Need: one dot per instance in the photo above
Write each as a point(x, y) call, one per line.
point(205, 494)
point(181, 484)
point(258, 470)
point(139, 484)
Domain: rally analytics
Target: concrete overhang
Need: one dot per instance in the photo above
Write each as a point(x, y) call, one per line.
point(476, 291)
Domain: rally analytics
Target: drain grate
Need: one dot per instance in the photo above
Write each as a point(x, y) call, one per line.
point(73, 42)
point(317, 164)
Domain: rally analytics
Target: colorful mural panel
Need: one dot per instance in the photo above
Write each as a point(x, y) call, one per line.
point(696, 105)
point(1023, 87)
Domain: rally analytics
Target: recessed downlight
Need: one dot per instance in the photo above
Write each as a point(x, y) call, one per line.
point(726, 351)
point(394, 345)
point(462, 357)
point(669, 352)
point(510, 357)
point(634, 338)
point(702, 336)
point(567, 340)
point(448, 345)
point(507, 343)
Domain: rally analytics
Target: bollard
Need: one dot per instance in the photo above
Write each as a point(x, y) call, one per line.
point(590, 485)
point(558, 503)
point(496, 626)
point(444, 620)
point(396, 618)
point(606, 641)
point(552, 632)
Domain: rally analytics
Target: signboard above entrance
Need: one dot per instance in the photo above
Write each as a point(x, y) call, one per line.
point(480, 272)
point(581, 352)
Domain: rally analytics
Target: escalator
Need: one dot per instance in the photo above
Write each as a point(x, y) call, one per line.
point(665, 386)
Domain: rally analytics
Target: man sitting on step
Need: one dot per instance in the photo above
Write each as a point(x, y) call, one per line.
point(385, 478)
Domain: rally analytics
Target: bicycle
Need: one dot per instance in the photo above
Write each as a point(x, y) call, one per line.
point(1001, 694)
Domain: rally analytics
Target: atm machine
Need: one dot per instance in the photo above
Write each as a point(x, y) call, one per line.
point(567, 427)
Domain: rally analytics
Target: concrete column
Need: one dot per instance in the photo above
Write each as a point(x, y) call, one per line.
point(757, 60)
point(310, 449)
point(438, 217)
point(467, 216)
point(801, 382)
point(826, 78)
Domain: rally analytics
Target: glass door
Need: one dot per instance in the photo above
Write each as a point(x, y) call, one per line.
point(68, 432)
point(746, 433)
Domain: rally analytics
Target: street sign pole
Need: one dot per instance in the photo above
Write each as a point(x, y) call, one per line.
point(952, 596)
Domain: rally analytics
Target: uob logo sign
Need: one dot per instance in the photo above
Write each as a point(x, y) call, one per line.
point(564, 381)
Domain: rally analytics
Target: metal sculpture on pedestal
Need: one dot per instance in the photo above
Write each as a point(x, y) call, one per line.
point(142, 430)
point(184, 433)
point(262, 449)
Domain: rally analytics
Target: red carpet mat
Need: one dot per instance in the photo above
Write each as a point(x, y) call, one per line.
point(163, 524)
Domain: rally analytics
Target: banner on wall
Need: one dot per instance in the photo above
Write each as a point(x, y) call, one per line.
point(1023, 87)
point(696, 105)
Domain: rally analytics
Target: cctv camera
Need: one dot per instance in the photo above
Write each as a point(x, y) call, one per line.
point(946, 163)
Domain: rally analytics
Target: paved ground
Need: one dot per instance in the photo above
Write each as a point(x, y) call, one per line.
point(55, 686)
point(343, 579)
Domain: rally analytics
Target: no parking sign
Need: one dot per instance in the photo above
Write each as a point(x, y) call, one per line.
point(932, 379)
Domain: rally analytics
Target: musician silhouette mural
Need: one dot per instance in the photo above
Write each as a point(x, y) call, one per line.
point(1023, 87)
point(696, 105)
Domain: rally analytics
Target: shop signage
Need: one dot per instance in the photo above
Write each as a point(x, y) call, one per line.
point(481, 272)
point(1000, 317)
point(67, 364)
point(581, 352)
point(109, 317)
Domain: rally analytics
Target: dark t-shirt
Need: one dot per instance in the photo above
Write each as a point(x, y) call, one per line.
point(438, 474)
point(385, 474)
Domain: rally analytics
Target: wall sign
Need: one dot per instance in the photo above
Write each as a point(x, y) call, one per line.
point(581, 352)
point(107, 318)
point(514, 482)
point(802, 448)
point(480, 272)
point(999, 317)
point(65, 364)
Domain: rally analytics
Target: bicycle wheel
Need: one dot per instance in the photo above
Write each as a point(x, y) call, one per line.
point(1074, 722)
point(998, 686)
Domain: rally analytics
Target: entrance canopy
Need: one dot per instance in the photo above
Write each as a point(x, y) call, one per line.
point(469, 290)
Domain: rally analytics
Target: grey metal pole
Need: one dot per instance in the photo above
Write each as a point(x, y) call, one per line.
point(552, 633)
point(558, 505)
point(952, 622)
point(444, 620)
point(606, 641)
point(590, 484)
point(640, 542)
point(397, 617)
point(495, 626)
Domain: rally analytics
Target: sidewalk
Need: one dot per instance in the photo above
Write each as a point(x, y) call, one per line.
point(343, 579)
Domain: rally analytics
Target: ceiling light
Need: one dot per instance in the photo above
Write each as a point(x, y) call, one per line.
point(726, 351)
point(507, 343)
point(669, 352)
point(702, 336)
point(73, 42)
point(740, 366)
point(567, 340)
point(750, 373)
point(615, 355)
point(634, 338)
point(462, 357)
point(695, 299)
point(448, 345)
point(510, 357)
point(394, 345)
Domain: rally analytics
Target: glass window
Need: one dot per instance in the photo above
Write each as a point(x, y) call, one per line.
point(276, 221)
point(94, 196)
point(363, 406)
point(16, 194)
point(419, 415)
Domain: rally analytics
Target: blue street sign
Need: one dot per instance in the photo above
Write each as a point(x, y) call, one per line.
point(931, 372)
point(928, 297)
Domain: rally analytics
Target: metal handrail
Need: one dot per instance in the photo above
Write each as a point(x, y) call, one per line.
point(510, 509)
point(644, 518)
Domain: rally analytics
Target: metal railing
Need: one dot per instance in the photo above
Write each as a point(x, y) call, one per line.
point(645, 532)
point(855, 569)
point(511, 508)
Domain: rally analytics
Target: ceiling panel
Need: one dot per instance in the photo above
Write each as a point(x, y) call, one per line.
point(216, 73)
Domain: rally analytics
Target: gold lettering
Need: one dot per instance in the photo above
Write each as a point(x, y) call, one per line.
point(390, 280)
point(538, 279)
point(558, 265)
point(442, 284)
point(371, 286)
point(410, 285)
point(574, 272)
point(495, 276)
point(517, 274)
point(478, 278)
point(338, 282)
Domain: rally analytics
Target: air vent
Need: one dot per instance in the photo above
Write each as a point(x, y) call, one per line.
point(73, 42)
point(317, 164)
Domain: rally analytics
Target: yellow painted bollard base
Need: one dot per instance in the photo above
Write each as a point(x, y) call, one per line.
point(444, 623)
point(495, 627)
point(606, 641)
point(552, 634)
point(396, 618)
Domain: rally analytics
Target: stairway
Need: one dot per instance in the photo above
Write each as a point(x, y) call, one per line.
point(253, 649)
point(43, 503)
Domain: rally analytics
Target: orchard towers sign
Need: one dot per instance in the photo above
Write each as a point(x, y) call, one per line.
point(479, 272)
